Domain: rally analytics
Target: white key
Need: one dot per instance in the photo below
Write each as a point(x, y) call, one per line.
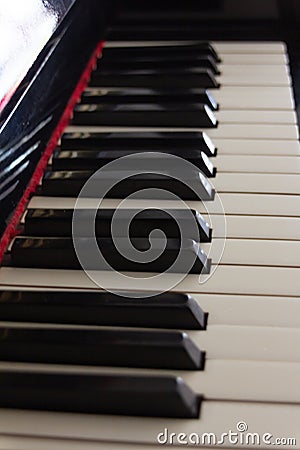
point(239, 204)
point(85, 430)
point(250, 310)
point(245, 227)
point(254, 97)
point(263, 69)
point(224, 47)
point(221, 380)
point(255, 252)
point(249, 280)
point(240, 280)
point(251, 75)
point(17, 443)
point(269, 183)
point(225, 342)
point(243, 252)
point(255, 227)
point(257, 147)
point(253, 80)
point(251, 227)
point(237, 97)
point(223, 131)
point(256, 59)
point(221, 47)
point(255, 204)
point(253, 131)
point(259, 117)
point(238, 310)
point(258, 164)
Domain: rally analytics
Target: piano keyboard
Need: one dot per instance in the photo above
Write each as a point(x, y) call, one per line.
point(237, 345)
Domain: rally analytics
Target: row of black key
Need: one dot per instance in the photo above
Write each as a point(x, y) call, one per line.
point(114, 394)
point(155, 75)
point(68, 160)
point(182, 230)
point(145, 114)
point(179, 142)
point(158, 67)
point(113, 96)
point(119, 394)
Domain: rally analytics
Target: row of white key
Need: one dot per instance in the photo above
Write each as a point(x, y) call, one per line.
point(127, 433)
point(223, 131)
point(221, 47)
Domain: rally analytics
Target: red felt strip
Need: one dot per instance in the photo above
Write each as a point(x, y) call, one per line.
point(11, 229)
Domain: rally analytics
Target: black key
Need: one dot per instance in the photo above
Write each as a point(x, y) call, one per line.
point(95, 159)
point(138, 140)
point(116, 348)
point(99, 394)
point(179, 61)
point(159, 79)
point(147, 114)
point(166, 51)
point(172, 254)
point(70, 184)
point(131, 95)
point(58, 222)
point(168, 310)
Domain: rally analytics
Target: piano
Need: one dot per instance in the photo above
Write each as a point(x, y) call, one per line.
point(150, 204)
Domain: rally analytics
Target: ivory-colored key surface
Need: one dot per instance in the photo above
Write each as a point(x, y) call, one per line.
point(250, 97)
point(249, 310)
point(261, 69)
point(243, 47)
point(247, 227)
point(252, 252)
point(254, 97)
point(255, 252)
point(253, 131)
point(253, 80)
point(233, 203)
point(220, 46)
point(280, 420)
point(255, 227)
point(278, 147)
point(224, 279)
point(233, 309)
point(219, 342)
point(223, 131)
point(221, 380)
point(254, 204)
point(43, 444)
point(225, 342)
point(269, 117)
point(269, 183)
point(249, 47)
point(256, 59)
point(258, 164)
